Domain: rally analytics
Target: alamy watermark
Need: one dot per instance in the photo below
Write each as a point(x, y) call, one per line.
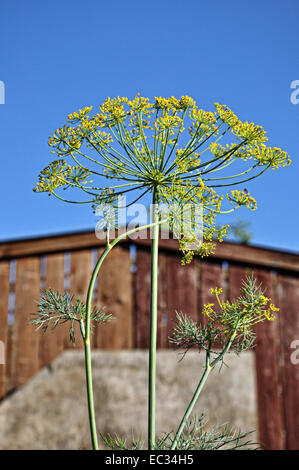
point(295, 94)
point(2, 92)
point(176, 221)
point(2, 353)
point(294, 358)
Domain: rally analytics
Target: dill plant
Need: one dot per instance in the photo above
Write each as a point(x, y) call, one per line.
point(228, 329)
point(178, 153)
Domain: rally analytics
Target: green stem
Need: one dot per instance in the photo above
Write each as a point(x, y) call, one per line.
point(199, 388)
point(209, 366)
point(90, 400)
point(88, 367)
point(85, 329)
point(153, 329)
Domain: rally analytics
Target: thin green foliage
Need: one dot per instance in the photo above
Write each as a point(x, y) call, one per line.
point(233, 321)
point(116, 442)
point(55, 309)
point(229, 328)
point(197, 436)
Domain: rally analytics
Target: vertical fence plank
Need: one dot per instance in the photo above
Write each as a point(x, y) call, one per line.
point(267, 368)
point(271, 423)
point(9, 360)
point(25, 338)
point(4, 286)
point(162, 332)
point(236, 274)
point(80, 273)
point(142, 297)
point(115, 293)
point(181, 290)
point(52, 343)
point(288, 293)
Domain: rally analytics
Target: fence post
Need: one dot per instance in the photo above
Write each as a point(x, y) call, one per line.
point(25, 360)
point(4, 284)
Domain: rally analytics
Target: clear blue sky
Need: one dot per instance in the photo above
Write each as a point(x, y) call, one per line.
point(58, 56)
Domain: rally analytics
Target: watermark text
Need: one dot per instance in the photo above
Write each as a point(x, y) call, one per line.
point(294, 358)
point(295, 94)
point(2, 92)
point(175, 221)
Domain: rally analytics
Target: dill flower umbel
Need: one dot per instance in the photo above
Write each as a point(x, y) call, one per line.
point(140, 146)
point(228, 323)
point(239, 316)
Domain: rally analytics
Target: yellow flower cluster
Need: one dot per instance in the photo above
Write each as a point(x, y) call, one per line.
point(168, 122)
point(204, 249)
point(274, 157)
point(216, 291)
point(230, 151)
point(249, 132)
point(187, 102)
point(140, 104)
point(140, 145)
point(240, 315)
point(208, 311)
point(59, 137)
point(269, 314)
point(217, 149)
point(226, 115)
point(173, 103)
point(114, 108)
point(186, 163)
point(205, 120)
point(99, 139)
point(78, 115)
point(245, 131)
point(242, 198)
point(59, 174)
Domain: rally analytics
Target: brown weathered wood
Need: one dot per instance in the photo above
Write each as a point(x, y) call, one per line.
point(251, 255)
point(142, 297)
point(267, 363)
point(80, 273)
point(115, 293)
point(227, 251)
point(162, 320)
point(52, 343)
point(270, 411)
point(181, 290)
point(288, 294)
point(236, 275)
point(52, 244)
point(25, 355)
point(4, 286)
point(210, 276)
point(9, 360)
point(254, 255)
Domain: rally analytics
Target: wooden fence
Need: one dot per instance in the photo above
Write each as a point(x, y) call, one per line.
point(65, 263)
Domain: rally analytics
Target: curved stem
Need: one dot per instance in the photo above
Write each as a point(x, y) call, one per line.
point(90, 399)
point(209, 366)
point(85, 328)
point(88, 367)
point(153, 329)
point(190, 407)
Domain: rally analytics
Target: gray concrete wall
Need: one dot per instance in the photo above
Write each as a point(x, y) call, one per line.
point(50, 411)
